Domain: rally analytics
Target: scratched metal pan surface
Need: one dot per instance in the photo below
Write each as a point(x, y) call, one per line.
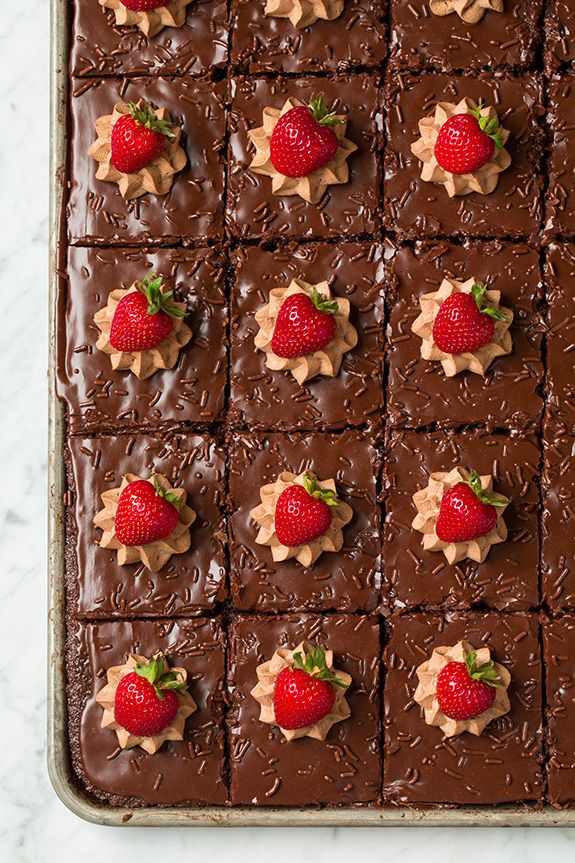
point(58, 755)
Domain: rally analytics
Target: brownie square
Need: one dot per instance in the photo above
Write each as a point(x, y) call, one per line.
point(558, 500)
point(504, 40)
point(418, 209)
point(503, 764)
point(419, 393)
point(558, 651)
point(347, 580)
point(560, 296)
point(265, 769)
point(509, 577)
point(101, 399)
point(97, 214)
point(260, 397)
point(268, 44)
point(99, 47)
point(560, 197)
point(559, 34)
point(185, 771)
point(190, 582)
point(353, 207)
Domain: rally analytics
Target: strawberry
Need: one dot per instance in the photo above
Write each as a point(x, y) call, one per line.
point(303, 512)
point(144, 318)
point(463, 323)
point(466, 142)
point(138, 138)
point(143, 5)
point(304, 324)
point(467, 512)
point(145, 513)
point(146, 700)
point(302, 140)
point(304, 691)
point(465, 690)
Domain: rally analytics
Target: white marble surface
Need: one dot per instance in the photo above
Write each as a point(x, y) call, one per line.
point(34, 826)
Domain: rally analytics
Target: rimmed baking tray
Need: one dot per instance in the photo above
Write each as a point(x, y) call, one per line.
point(59, 765)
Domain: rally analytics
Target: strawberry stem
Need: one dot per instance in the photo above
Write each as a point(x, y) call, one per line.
point(474, 483)
point(489, 126)
point(478, 292)
point(321, 113)
point(315, 665)
point(168, 496)
point(323, 304)
point(158, 299)
point(155, 672)
point(325, 494)
point(146, 116)
point(486, 672)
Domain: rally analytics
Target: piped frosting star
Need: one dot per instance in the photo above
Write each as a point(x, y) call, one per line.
point(150, 21)
point(470, 11)
point(304, 13)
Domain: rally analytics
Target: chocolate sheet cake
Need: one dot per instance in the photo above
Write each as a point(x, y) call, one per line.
point(316, 293)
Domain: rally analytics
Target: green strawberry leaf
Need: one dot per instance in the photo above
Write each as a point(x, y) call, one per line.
point(321, 113)
point(154, 671)
point(315, 665)
point(489, 125)
point(474, 483)
point(324, 494)
point(158, 299)
point(146, 116)
point(478, 293)
point(168, 496)
point(486, 672)
point(323, 304)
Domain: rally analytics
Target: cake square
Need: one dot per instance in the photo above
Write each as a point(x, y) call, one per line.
point(500, 40)
point(101, 399)
point(419, 392)
point(417, 209)
point(558, 649)
point(347, 580)
point(100, 47)
point(260, 43)
point(189, 771)
point(558, 502)
point(559, 49)
point(509, 577)
point(560, 296)
point(188, 583)
point(261, 397)
point(501, 765)
point(345, 768)
point(560, 197)
point(192, 210)
point(252, 210)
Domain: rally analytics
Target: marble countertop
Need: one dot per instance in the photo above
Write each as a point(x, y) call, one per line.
point(34, 825)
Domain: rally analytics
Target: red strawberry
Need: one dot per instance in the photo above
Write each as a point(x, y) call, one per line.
point(466, 142)
point(304, 692)
point(302, 140)
point(465, 690)
point(145, 701)
point(467, 512)
point(303, 513)
point(145, 513)
point(463, 323)
point(143, 5)
point(138, 138)
point(304, 325)
point(143, 319)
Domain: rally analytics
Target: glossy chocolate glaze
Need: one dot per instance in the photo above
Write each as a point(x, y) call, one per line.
point(192, 210)
point(268, 399)
point(558, 492)
point(186, 771)
point(421, 40)
point(558, 652)
point(99, 47)
point(418, 209)
point(419, 393)
point(560, 210)
point(100, 399)
point(559, 34)
point(560, 296)
point(265, 769)
point(508, 578)
point(502, 765)
point(261, 43)
point(351, 208)
point(190, 582)
point(347, 580)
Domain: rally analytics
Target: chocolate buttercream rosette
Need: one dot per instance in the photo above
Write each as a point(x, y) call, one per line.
point(307, 554)
point(470, 11)
point(326, 361)
point(149, 21)
point(106, 698)
point(477, 361)
point(485, 179)
point(156, 554)
point(428, 504)
point(263, 692)
point(426, 692)
point(304, 13)
point(311, 187)
point(157, 176)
